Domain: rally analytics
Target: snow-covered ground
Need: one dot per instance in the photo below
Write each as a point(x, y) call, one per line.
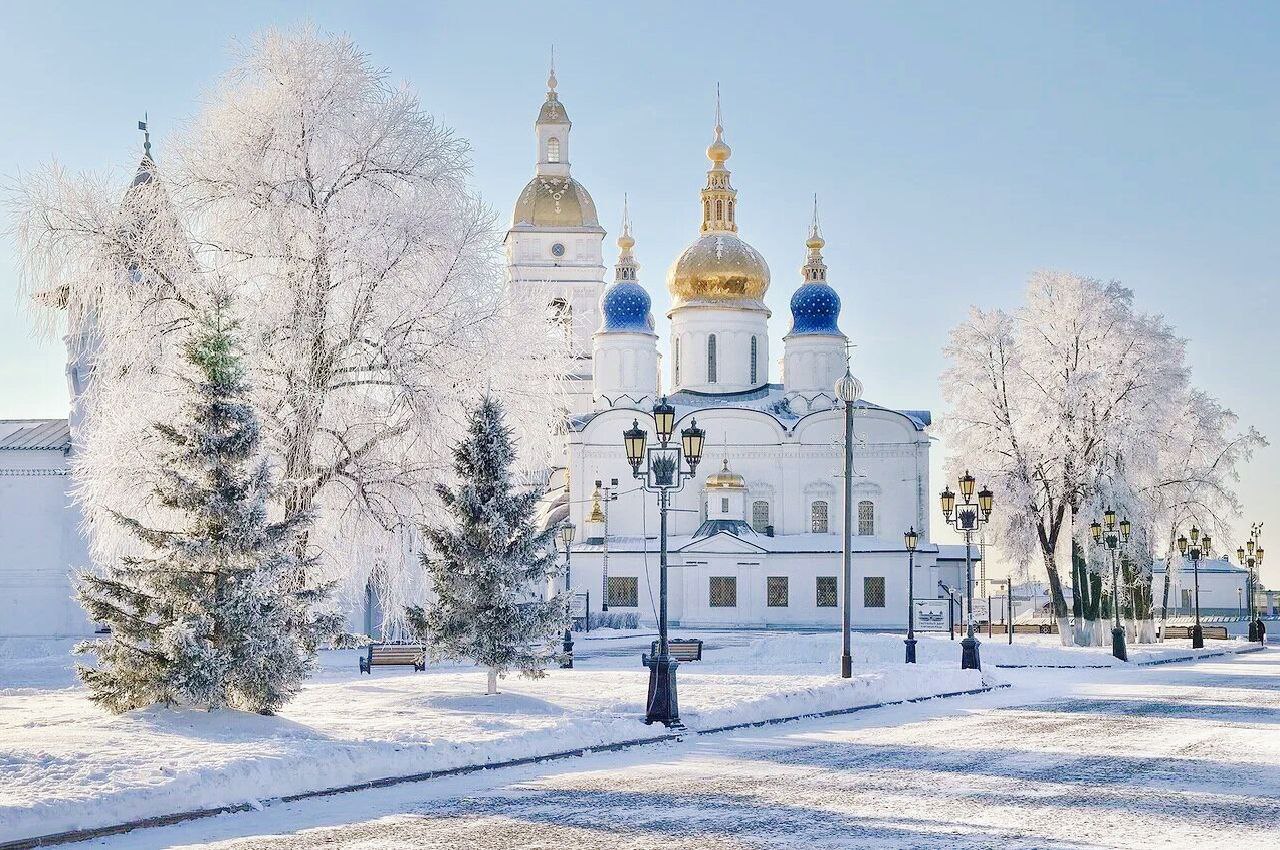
point(1182, 756)
point(66, 765)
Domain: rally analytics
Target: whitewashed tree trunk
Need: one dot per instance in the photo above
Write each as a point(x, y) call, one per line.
point(491, 687)
point(1066, 635)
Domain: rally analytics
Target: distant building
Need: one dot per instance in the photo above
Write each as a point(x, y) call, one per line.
point(1222, 587)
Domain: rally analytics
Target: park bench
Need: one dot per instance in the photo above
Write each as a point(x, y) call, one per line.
point(393, 655)
point(1210, 632)
point(681, 650)
point(1033, 629)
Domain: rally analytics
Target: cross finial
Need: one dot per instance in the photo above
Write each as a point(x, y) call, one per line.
point(551, 77)
point(146, 134)
point(813, 226)
point(719, 120)
point(626, 216)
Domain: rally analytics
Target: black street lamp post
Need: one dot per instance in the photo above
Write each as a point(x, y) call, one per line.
point(661, 469)
point(565, 533)
point(1196, 548)
point(1105, 532)
point(910, 539)
point(848, 389)
point(967, 518)
point(1250, 556)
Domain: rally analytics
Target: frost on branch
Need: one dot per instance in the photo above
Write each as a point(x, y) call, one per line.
point(340, 216)
point(210, 612)
point(488, 565)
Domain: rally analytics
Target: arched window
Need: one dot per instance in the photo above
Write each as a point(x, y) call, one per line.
point(675, 355)
point(818, 518)
point(866, 518)
point(711, 359)
point(755, 350)
point(553, 149)
point(719, 210)
point(760, 515)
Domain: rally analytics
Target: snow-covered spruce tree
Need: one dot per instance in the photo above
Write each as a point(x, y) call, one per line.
point(210, 616)
point(340, 214)
point(488, 566)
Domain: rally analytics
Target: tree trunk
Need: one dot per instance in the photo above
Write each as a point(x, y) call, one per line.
point(492, 686)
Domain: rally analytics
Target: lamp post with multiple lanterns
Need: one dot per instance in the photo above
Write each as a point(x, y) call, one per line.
point(910, 539)
point(967, 518)
point(662, 469)
point(1197, 547)
point(1105, 532)
point(848, 390)
point(1250, 556)
point(565, 534)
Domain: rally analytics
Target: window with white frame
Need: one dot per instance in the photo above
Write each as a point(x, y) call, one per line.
point(866, 518)
point(623, 591)
point(760, 515)
point(553, 149)
point(724, 592)
point(818, 517)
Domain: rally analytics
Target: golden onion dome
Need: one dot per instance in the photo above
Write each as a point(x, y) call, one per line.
point(726, 479)
point(719, 268)
point(551, 201)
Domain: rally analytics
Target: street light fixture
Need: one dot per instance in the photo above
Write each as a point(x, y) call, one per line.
point(910, 539)
point(1195, 548)
point(663, 469)
point(565, 534)
point(1112, 539)
point(968, 518)
point(848, 390)
point(1250, 556)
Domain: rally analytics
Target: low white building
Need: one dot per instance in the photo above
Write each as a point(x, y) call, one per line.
point(1222, 587)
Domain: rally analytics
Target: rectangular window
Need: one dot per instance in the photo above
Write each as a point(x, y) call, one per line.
point(777, 591)
point(826, 591)
point(873, 592)
point(866, 519)
point(724, 592)
point(760, 516)
point(818, 518)
point(1186, 599)
point(624, 592)
point(724, 505)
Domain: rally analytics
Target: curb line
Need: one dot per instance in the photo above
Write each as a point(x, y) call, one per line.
point(72, 836)
point(1152, 663)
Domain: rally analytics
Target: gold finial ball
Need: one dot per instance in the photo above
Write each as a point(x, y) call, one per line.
point(815, 242)
point(718, 151)
point(626, 241)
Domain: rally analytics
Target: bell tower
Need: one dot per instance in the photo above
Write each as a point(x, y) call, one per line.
point(555, 245)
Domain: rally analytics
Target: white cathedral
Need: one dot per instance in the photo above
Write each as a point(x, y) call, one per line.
point(755, 535)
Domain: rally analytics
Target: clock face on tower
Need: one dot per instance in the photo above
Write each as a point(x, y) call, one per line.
point(557, 250)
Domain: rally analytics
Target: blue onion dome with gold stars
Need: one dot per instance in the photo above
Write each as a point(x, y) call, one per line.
point(815, 306)
point(624, 305)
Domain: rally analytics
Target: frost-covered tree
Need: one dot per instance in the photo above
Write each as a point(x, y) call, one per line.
point(340, 215)
point(208, 614)
point(1075, 403)
point(488, 566)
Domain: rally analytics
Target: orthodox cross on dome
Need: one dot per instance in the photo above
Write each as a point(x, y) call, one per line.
point(627, 266)
point(815, 270)
point(551, 76)
point(719, 204)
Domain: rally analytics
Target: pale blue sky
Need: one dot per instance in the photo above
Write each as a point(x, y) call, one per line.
point(955, 147)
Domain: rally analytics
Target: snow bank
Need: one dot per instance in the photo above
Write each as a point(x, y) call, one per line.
point(66, 765)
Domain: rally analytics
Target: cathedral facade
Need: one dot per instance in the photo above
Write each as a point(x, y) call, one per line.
point(756, 534)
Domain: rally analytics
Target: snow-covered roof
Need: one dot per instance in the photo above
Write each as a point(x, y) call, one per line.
point(795, 543)
point(1209, 565)
point(34, 434)
point(769, 398)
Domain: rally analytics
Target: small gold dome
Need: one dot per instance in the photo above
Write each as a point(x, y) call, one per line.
point(726, 479)
point(626, 241)
point(718, 151)
point(719, 267)
point(549, 201)
point(815, 242)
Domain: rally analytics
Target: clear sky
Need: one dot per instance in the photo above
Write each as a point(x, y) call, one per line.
point(955, 147)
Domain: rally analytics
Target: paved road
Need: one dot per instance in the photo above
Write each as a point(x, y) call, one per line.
point(1183, 756)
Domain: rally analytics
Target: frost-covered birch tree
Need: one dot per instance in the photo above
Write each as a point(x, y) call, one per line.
point(1061, 406)
point(489, 563)
point(340, 215)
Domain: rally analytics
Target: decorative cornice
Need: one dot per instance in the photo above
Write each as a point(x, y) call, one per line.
point(33, 473)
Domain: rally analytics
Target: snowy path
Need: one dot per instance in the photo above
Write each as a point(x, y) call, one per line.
point(1177, 757)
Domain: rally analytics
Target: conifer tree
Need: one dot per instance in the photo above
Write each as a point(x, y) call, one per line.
point(210, 614)
point(488, 566)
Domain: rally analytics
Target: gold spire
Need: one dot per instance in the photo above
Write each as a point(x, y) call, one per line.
point(627, 266)
point(719, 202)
point(597, 512)
point(814, 269)
point(551, 76)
